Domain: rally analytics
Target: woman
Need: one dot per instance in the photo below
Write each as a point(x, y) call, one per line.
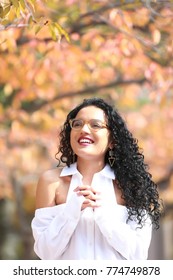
point(102, 204)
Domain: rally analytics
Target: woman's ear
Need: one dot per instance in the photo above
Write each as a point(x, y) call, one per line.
point(111, 145)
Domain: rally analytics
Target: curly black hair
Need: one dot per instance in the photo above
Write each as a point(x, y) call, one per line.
point(138, 189)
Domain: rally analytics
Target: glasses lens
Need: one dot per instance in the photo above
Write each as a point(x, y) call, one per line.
point(93, 124)
point(96, 124)
point(77, 124)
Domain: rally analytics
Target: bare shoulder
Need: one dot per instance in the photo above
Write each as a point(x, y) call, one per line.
point(50, 176)
point(48, 183)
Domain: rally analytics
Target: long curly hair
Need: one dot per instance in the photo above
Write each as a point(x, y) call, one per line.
point(138, 189)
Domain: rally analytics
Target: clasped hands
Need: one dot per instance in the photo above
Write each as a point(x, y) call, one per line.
point(92, 197)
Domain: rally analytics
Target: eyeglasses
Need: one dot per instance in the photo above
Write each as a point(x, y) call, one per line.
point(92, 124)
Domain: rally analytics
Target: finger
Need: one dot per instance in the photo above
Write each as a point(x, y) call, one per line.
point(91, 204)
point(87, 187)
point(88, 195)
point(88, 191)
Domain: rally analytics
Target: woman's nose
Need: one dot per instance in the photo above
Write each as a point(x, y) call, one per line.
point(85, 128)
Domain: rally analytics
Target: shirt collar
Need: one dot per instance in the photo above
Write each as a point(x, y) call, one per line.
point(71, 170)
point(106, 171)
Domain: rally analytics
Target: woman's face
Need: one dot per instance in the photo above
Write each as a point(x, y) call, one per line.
point(86, 142)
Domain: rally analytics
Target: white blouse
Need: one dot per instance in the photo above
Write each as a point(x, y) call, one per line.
point(64, 232)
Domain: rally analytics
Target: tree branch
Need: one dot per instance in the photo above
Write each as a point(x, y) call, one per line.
point(32, 107)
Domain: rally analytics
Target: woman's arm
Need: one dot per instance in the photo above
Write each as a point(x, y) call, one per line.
point(131, 241)
point(53, 225)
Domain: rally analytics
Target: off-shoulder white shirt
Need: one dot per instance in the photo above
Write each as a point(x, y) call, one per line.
point(64, 232)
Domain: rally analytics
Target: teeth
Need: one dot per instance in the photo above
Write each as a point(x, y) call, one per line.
point(85, 141)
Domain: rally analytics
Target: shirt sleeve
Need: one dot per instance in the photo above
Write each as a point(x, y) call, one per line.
point(53, 227)
point(131, 241)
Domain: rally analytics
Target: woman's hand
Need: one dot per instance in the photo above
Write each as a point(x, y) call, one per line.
point(92, 196)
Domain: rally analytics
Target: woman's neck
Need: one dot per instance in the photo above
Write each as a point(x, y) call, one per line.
point(88, 169)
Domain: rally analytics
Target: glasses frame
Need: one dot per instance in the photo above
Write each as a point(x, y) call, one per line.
point(104, 125)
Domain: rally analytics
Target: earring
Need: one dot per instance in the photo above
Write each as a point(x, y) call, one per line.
point(111, 158)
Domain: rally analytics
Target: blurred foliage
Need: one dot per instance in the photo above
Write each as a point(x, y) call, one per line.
point(55, 53)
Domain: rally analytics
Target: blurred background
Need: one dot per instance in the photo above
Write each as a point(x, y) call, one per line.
point(53, 54)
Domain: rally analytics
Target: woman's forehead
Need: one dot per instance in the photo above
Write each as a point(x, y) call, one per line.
point(91, 112)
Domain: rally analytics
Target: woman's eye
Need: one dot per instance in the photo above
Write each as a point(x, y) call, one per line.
point(76, 124)
point(96, 124)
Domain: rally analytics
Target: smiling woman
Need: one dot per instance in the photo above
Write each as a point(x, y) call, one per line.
point(102, 203)
point(90, 139)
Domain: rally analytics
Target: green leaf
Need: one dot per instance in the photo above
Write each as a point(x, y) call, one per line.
point(38, 28)
point(22, 4)
point(62, 31)
point(15, 3)
point(6, 10)
point(53, 32)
